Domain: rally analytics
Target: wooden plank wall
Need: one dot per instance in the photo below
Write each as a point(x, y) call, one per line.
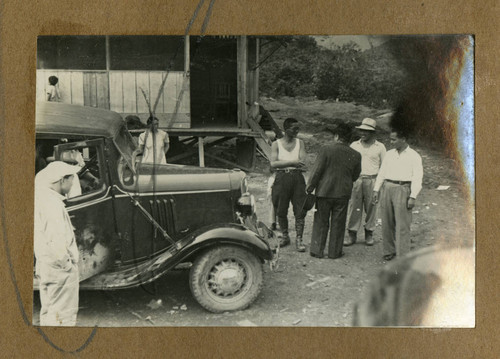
point(70, 85)
point(126, 95)
point(120, 91)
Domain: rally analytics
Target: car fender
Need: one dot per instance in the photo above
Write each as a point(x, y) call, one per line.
point(195, 243)
point(231, 234)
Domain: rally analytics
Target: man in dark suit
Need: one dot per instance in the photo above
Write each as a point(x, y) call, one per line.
point(334, 172)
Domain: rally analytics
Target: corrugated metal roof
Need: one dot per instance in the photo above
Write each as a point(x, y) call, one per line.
point(65, 119)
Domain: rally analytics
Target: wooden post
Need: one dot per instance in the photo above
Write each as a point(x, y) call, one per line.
point(201, 152)
point(187, 69)
point(186, 55)
point(256, 72)
point(108, 67)
point(242, 59)
point(108, 57)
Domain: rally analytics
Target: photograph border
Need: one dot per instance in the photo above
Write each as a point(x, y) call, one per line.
point(21, 23)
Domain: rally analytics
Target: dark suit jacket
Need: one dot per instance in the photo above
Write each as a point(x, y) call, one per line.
point(335, 170)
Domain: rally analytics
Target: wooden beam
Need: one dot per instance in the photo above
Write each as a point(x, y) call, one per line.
point(201, 152)
point(257, 71)
point(182, 155)
point(186, 54)
point(108, 57)
point(206, 131)
point(242, 61)
point(228, 162)
point(195, 150)
point(187, 139)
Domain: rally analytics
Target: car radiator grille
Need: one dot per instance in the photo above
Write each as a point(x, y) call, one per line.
point(163, 212)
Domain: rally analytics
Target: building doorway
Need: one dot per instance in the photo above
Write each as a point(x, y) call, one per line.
point(213, 82)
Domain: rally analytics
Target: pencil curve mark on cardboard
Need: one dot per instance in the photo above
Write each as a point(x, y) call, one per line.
point(7, 248)
point(2, 208)
point(82, 347)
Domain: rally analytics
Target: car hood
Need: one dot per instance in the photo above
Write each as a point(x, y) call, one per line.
point(180, 178)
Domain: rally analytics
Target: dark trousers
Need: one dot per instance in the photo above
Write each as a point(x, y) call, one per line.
point(331, 214)
point(289, 187)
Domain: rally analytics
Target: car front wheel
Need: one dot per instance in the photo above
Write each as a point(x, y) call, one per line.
point(226, 279)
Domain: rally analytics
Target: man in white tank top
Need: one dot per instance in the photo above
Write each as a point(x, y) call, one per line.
point(287, 158)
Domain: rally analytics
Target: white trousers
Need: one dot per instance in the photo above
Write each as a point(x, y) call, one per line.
point(58, 295)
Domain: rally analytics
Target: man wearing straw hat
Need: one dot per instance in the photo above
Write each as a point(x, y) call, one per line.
point(372, 153)
point(55, 246)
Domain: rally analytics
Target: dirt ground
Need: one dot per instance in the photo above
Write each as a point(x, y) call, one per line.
point(303, 291)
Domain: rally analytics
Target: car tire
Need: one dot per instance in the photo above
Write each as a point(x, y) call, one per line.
point(226, 278)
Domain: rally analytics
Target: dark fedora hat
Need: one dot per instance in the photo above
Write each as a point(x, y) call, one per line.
point(309, 202)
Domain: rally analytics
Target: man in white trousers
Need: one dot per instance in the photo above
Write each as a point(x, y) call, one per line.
point(55, 246)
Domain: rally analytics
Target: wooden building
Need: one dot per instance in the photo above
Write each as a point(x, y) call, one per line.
point(210, 84)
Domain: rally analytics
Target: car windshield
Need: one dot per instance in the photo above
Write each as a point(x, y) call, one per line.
point(125, 145)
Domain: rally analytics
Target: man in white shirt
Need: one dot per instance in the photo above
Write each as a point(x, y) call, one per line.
point(55, 246)
point(372, 154)
point(401, 174)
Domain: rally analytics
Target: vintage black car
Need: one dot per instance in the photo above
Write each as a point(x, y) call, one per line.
point(135, 223)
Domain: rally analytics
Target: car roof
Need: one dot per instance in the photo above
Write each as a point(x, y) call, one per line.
point(66, 119)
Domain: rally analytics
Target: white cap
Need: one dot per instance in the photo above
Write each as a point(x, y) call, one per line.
point(54, 172)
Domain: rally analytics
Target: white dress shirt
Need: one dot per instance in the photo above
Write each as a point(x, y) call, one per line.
point(371, 156)
point(404, 166)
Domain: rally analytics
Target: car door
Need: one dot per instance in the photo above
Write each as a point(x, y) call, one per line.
point(91, 207)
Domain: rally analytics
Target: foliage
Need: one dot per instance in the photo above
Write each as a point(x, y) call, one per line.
point(417, 76)
point(299, 67)
point(288, 70)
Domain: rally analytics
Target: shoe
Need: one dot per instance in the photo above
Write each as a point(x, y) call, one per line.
point(319, 256)
point(284, 241)
point(351, 240)
point(369, 238)
point(389, 257)
point(299, 245)
point(340, 256)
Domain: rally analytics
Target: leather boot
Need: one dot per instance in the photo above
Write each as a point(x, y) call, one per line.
point(299, 245)
point(351, 240)
point(299, 229)
point(285, 239)
point(369, 238)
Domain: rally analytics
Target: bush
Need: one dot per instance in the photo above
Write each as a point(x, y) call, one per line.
point(299, 67)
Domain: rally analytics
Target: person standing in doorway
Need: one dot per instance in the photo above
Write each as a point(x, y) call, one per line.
point(333, 174)
point(372, 153)
point(401, 174)
point(56, 251)
point(53, 94)
point(287, 158)
point(153, 143)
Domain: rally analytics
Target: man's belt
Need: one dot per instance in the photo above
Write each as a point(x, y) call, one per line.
point(368, 176)
point(399, 182)
point(288, 170)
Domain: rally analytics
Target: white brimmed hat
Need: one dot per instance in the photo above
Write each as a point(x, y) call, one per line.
point(368, 124)
point(54, 172)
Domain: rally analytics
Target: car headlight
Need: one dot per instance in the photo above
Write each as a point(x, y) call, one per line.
point(246, 204)
point(244, 186)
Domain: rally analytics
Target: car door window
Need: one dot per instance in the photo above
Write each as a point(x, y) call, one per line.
point(89, 156)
